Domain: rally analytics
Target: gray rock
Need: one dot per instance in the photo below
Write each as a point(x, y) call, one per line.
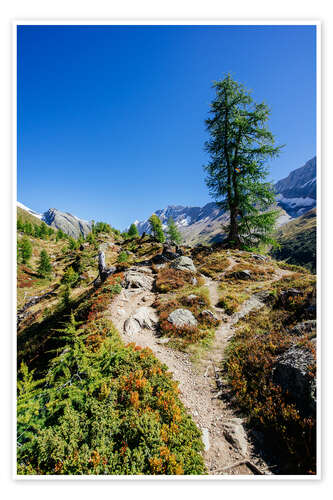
point(234, 433)
point(262, 258)
point(144, 317)
point(184, 264)
point(68, 223)
point(182, 317)
point(131, 326)
point(136, 279)
point(206, 313)
point(291, 373)
point(240, 275)
point(205, 438)
point(304, 328)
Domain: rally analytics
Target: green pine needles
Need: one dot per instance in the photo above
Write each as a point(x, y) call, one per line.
point(156, 228)
point(173, 232)
point(239, 146)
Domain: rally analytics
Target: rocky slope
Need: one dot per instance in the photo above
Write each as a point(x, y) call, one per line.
point(68, 223)
point(297, 241)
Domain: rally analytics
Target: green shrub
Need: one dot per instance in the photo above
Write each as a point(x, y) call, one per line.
point(110, 409)
point(123, 257)
point(70, 277)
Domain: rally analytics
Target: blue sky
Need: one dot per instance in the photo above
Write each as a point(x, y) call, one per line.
point(111, 119)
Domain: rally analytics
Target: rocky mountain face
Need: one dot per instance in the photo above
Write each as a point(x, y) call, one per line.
point(68, 223)
point(296, 194)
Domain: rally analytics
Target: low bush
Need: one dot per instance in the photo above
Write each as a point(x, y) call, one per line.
point(260, 338)
point(104, 408)
point(169, 279)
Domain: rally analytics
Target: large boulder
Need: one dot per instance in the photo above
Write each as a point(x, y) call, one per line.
point(144, 317)
point(184, 264)
point(138, 279)
point(182, 317)
point(234, 432)
point(291, 372)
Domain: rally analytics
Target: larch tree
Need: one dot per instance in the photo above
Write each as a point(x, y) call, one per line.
point(239, 146)
point(133, 231)
point(173, 232)
point(156, 228)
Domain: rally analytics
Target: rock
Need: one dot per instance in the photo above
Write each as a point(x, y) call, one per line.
point(205, 438)
point(144, 317)
point(291, 373)
point(265, 296)
point(169, 252)
point(207, 314)
point(240, 275)
point(185, 264)
point(234, 433)
point(193, 299)
point(263, 258)
point(182, 317)
point(136, 279)
point(103, 247)
point(194, 281)
point(131, 326)
point(304, 328)
point(165, 340)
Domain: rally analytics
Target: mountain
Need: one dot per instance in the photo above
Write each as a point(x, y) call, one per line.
point(27, 211)
point(296, 194)
point(68, 223)
point(297, 241)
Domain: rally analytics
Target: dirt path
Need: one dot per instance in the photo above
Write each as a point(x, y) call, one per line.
point(196, 383)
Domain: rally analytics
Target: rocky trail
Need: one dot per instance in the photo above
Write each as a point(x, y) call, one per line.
point(227, 447)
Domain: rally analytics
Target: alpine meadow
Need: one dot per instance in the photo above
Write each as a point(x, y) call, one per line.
point(175, 341)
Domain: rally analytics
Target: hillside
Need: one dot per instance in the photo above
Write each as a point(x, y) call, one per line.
point(145, 372)
point(297, 241)
point(27, 216)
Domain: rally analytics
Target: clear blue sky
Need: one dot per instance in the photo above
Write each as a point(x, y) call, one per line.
point(111, 119)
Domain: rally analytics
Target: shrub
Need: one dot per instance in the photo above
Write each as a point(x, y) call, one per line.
point(169, 279)
point(260, 337)
point(123, 257)
point(110, 410)
point(25, 250)
point(70, 277)
point(44, 266)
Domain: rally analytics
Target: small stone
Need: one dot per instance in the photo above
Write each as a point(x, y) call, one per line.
point(205, 438)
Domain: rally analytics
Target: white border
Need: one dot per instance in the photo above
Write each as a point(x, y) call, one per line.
point(173, 22)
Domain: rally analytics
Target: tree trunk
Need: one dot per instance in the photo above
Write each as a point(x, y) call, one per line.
point(104, 271)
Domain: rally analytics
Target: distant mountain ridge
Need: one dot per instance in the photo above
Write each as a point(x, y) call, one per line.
point(68, 223)
point(295, 195)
